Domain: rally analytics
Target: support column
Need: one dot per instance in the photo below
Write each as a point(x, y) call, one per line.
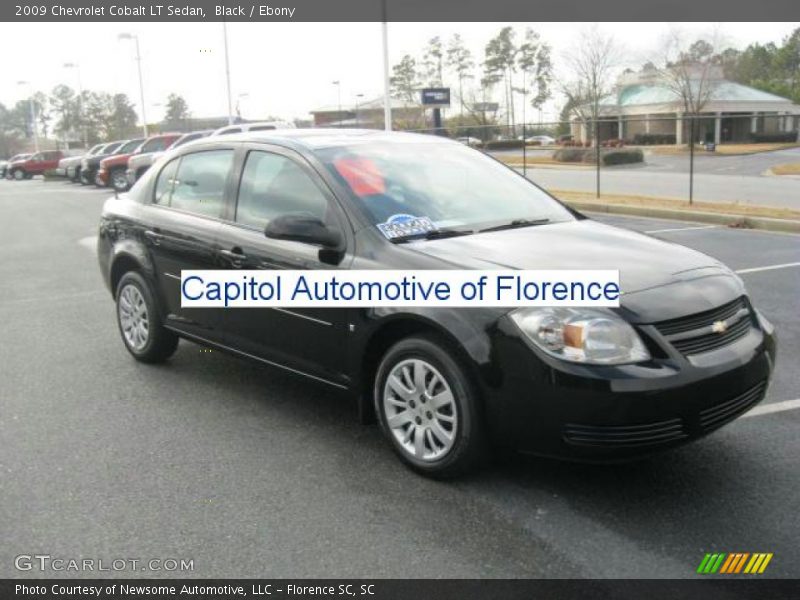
point(647, 123)
point(754, 123)
point(718, 128)
point(679, 129)
point(620, 128)
point(582, 131)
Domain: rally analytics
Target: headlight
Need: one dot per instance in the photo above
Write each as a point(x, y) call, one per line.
point(581, 335)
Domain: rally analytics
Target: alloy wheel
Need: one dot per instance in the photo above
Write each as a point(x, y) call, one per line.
point(420, 409)
point(133, 317)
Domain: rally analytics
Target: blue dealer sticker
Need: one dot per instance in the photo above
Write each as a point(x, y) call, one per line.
point(402, 225)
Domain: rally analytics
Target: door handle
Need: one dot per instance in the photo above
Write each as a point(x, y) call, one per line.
point(153, 237)
point(235, 256)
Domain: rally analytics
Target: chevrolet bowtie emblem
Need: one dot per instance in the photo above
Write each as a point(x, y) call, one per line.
point(719, 327)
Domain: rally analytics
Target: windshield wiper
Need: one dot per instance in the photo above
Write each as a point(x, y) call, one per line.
point(434, 234)
point(516, 224)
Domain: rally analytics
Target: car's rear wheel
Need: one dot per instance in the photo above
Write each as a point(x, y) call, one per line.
point(428, 408)
point(118, 179)
point(139, 320)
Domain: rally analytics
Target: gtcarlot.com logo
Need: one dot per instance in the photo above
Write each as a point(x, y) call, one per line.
point(733, 563)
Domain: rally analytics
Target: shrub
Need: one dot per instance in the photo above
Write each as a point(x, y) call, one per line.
point(622, 157)
point(504, 144)
point(647, 139)
point(573, 155)
point(782, 137)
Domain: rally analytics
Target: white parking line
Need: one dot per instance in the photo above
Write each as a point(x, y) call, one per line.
point(773, 407)
point(769, 268)
point(682, 229)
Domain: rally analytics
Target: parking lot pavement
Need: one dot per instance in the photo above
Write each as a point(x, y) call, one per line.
point(248, 470)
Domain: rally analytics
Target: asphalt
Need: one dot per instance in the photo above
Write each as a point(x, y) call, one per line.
point(251, 472)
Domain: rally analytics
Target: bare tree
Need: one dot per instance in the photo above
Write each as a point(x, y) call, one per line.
point(593, 62)
point(459, 59)
point(689, 71)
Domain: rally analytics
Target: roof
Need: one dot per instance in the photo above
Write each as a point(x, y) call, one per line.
point(374, 104)
point(723, 91)
point(315, 139)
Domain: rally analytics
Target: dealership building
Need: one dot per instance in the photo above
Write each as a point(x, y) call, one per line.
point(368, 113)
point(643, 105)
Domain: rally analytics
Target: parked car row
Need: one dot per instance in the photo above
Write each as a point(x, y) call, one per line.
point(118, 164)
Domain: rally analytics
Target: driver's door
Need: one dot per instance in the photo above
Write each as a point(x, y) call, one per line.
point(274, 182)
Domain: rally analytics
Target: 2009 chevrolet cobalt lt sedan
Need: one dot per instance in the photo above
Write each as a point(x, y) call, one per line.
point(685, 353)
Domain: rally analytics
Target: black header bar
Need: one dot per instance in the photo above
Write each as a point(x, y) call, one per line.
point(398, 10)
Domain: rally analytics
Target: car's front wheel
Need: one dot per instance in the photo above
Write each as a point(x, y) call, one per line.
point(18, 174)
point(119, 181)
point(428, 408)
point(139, 320)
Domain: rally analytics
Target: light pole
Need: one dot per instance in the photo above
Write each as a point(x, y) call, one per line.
point(33, 114)
point(77, 68)
point(238, 103)
point(387, 102)
point(227, 72)
point(135, 38)
point(358, 103)
point(338, 85)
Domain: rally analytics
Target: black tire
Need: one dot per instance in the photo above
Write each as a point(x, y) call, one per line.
point(469, 449)
point(160, 343)
point(117, 180)
point(18, 174)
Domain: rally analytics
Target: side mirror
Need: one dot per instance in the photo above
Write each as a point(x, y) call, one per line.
point(305, 229)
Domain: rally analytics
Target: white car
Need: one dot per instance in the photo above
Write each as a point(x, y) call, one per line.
point(542, 140)
point(258, 126)
point(469, 141)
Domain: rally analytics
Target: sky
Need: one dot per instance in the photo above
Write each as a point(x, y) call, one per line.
point(285, 69)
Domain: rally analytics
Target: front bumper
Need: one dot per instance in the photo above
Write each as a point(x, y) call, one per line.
point(101, 178)
point(604, 414)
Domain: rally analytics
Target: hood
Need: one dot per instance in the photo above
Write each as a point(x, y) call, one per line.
point(115, 159)
point(643, 262)
point(146, 158)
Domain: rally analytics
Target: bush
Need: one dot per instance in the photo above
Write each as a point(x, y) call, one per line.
point(504, 144)
point(570, 155)
point(648, 139)
point(622, 157)
point(781, 137)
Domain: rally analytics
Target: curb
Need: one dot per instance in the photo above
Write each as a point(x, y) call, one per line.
point(761, 223)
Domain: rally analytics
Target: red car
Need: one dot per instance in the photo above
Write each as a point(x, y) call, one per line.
point(112, 169)
point(35, 165)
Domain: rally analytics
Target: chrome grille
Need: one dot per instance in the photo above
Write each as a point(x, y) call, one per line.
point(708, 330)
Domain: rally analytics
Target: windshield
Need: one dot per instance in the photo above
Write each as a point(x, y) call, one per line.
point(110, 148)
point(130, 146)
point(449, 184)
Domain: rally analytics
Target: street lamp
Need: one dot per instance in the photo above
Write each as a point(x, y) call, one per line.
point(238, 103)
point(33, 114)
point(227, 72)
point(338, 85)
point(77, 68)
point(358, 102)
point(135, 38)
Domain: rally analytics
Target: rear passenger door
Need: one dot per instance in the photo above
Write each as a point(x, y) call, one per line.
point(182, 223)
point(276, 181)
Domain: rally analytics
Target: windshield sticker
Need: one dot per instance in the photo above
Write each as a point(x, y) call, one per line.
point(403, 225)
point(362, 175)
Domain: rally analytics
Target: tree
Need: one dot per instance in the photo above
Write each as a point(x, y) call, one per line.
point(405, 81)
point(64, 105)
point(592, 62)
point(499, 65)
point(459, 59)
point(533, 61)
point(432, 62)
point(177, 109)
point(121, 118)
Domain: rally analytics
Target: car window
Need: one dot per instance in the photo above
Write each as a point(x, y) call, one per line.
point(199, 184)
point(273, 185)
point(263, 128)
point(230, 130)
point(156, 144)
point(36, 157)
point(165, 183)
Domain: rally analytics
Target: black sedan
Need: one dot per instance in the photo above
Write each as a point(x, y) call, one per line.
point(685, 353)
